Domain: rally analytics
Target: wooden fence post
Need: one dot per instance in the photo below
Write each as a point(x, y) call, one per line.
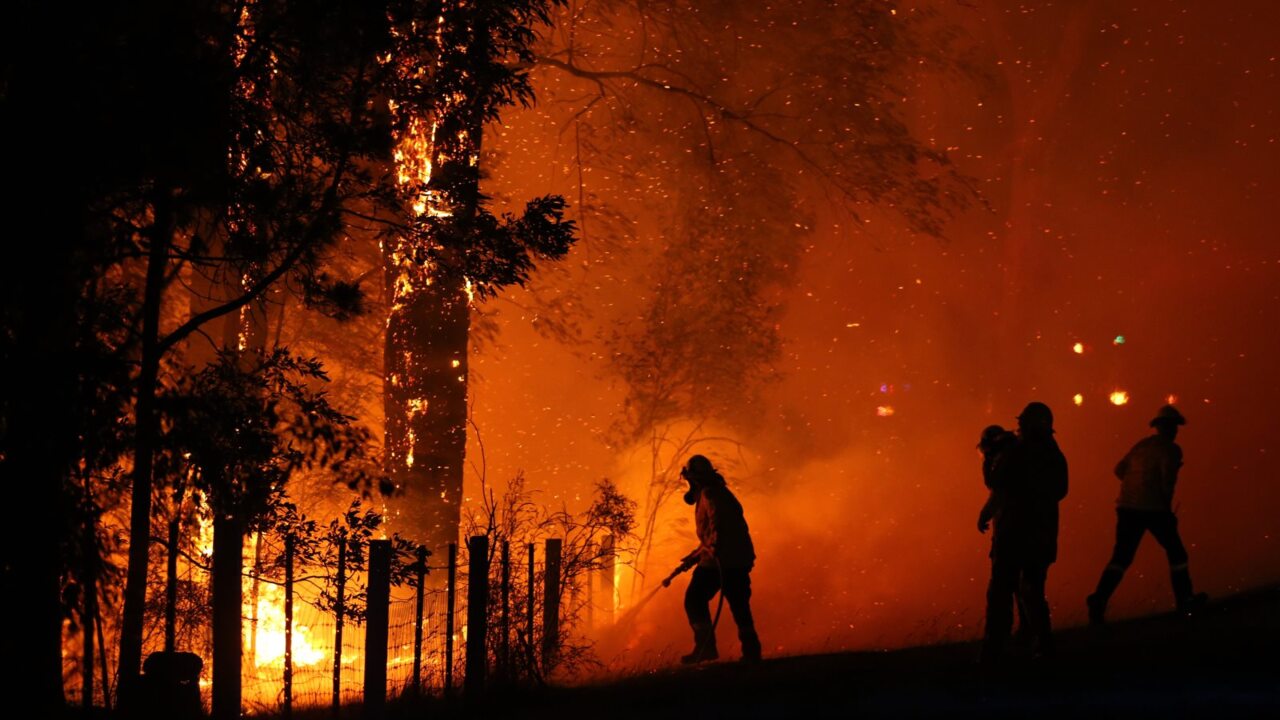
point(288, 625)
point(504, 645)
point(339, 608)
point(421, 570)
point(377, 629)
point(528, 620)
point(551, 605)
point(448, 618)
point(477, 615)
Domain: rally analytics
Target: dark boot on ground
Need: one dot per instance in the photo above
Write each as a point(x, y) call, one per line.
point(704, 646)
point(750, 646)
point(1043, 648)
point(1107, 584)
point(1193, 604)
point(1188, 602)
point(1097, 609)
point(993, 652)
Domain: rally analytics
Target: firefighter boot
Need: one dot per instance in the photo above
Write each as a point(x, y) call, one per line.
point(1107, 584)
point(750, 645)
point(1188, 602)
point(704, 645)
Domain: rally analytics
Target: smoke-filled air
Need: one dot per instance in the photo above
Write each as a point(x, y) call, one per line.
point(388, 357)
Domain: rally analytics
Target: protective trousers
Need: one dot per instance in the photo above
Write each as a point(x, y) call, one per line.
point(704, 584)
point(1010, 578)
point(1131, 525)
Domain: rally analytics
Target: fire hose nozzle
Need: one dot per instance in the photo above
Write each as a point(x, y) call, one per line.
point(666, 582)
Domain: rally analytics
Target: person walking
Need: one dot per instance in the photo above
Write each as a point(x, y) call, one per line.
point(1148, 474)
point(722, 562)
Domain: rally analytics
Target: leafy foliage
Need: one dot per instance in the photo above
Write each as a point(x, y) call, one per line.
point(250, 420)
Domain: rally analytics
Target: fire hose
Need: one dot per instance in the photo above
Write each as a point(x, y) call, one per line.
point(685, 567)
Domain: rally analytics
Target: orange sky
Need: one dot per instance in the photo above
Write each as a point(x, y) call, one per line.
point(1129, 158)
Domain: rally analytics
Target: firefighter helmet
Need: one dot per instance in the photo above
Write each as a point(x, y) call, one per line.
point(1168, 414)
point(1036, 414)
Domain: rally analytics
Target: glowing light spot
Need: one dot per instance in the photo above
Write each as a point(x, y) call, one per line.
point(1119, 397)
point(884, 411)
point(455, 363)
point(1171, 399)
point(1078, 348)
point(1119, 340)
point(1078, 399)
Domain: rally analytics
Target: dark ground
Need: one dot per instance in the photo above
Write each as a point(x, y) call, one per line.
point(1223, 663)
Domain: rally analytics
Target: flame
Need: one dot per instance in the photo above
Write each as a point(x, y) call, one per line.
point(1119, 397)
point(269, 642)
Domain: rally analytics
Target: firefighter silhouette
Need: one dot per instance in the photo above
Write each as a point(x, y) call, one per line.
point(1148, 474)
point(722, 562)
point(1030, 477)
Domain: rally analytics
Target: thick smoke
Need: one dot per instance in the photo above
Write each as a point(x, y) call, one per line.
point(1126, 157)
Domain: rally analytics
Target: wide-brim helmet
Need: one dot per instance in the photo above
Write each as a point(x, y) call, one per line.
point(1036, 415)
point(1168, 415)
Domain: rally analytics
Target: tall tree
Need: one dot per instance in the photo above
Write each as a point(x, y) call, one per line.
point(84, 127)
point(459, 250)
point(298, 85)
point(248, 422)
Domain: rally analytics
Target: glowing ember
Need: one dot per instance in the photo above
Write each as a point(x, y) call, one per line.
point(1171, 399)
point(1078, 399)
point(1119, 397)
point(884, 411)
point(1078, 349)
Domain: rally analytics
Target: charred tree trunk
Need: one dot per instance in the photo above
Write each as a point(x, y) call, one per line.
point(429, 326)
point(146, 429)
point(90, 610)
point(40, 288)
point(255, 589)
point(171, 577)
point(425, 396)
point(35, 471)
point(228, 548)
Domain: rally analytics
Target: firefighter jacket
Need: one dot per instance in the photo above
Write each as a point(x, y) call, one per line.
point(723, 536)
point(1148, 473)
point(1031, 476)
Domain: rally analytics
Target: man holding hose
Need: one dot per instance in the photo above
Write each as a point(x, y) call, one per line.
point(722, 562)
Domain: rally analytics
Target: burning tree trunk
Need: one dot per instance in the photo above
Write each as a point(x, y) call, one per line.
point(425, 396)
point(453, 249)
point(429, 325)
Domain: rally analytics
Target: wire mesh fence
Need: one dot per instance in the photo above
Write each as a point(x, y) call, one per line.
point(425, 653)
